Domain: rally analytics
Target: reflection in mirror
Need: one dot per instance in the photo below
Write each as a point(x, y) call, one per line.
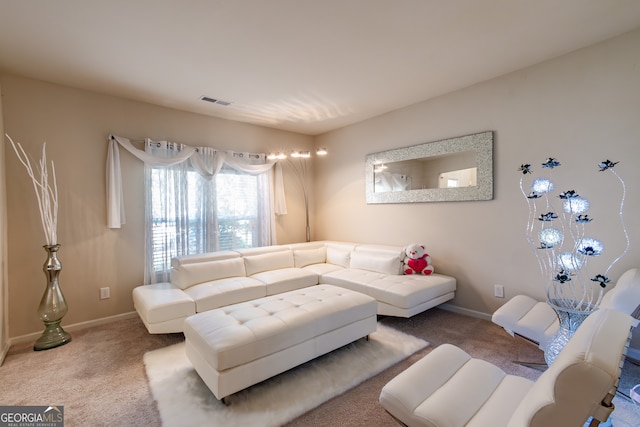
point(452, 169)
point(446, 171)
point(460, 178)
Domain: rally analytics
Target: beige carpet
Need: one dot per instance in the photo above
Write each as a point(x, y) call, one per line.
point(100, 378)
point(184, 400)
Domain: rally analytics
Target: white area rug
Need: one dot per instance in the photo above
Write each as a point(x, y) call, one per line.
point(184, 400)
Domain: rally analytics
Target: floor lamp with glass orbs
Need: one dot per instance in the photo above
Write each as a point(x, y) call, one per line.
point(563, 251)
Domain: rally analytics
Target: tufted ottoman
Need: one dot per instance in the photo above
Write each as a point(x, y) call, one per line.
point(243, 344)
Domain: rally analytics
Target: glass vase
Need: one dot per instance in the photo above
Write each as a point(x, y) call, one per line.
point(570, 320)
point(52, 306)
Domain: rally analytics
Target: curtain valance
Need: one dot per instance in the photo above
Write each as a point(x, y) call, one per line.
point(115, 198)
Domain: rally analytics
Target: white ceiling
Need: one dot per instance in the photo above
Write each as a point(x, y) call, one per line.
point(307, 66)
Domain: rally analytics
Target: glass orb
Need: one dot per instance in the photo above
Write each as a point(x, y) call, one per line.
point(542, 185)
point(576, 205)
point(550, 237)
point(569, 261)
point(590, 247)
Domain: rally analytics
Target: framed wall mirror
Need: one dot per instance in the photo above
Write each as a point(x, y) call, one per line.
point(454, 169)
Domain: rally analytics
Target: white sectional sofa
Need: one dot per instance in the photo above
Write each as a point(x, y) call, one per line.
point(205, 282)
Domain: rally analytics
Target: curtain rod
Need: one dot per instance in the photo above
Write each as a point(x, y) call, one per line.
point(144, 141)
point(112, 138)
point(233, 153)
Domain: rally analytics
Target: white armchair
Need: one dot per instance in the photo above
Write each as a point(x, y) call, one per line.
point(450, 388)
point(536, 322)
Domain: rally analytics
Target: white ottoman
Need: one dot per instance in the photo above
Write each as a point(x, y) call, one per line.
point(243, 344)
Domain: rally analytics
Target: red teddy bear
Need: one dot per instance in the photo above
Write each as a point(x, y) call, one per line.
point(417, 261)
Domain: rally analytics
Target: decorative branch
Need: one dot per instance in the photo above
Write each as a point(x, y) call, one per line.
point(46, 195)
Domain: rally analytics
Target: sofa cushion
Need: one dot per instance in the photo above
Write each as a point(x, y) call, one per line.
point(378, 262)
point(407, 291)
point(187, 275)
point(267, 262)
point(304, 257)
point(306, 245)
point(259, 250)
point(221, 292)
point(286, 279)
point(397, 251)
point(338, 256)
point(322, 268)
point(396, 290)
point(208, 256)
point(351, 278)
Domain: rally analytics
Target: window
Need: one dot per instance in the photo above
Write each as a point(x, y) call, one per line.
point(191, 214)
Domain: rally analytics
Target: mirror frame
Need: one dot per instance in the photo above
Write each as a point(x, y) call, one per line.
point(481, 143)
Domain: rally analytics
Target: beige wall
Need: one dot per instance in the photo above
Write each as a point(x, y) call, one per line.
point(581, 108)
point(75, 125)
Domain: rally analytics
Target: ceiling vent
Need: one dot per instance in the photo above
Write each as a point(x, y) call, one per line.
point(215, 101)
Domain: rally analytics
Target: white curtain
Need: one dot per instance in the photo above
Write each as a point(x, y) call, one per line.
point(115, 203)
point(385, 181)
point(180, 162)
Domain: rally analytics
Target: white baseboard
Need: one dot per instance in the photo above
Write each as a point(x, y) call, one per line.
point(465, 311)
point(74, 327)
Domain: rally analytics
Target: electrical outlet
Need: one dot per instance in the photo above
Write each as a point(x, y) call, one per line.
point(498, 291)
point(104, 293)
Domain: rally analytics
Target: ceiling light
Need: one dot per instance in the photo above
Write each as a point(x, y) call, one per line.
point(321, 151)
point(305, 154)
point(273, 156)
